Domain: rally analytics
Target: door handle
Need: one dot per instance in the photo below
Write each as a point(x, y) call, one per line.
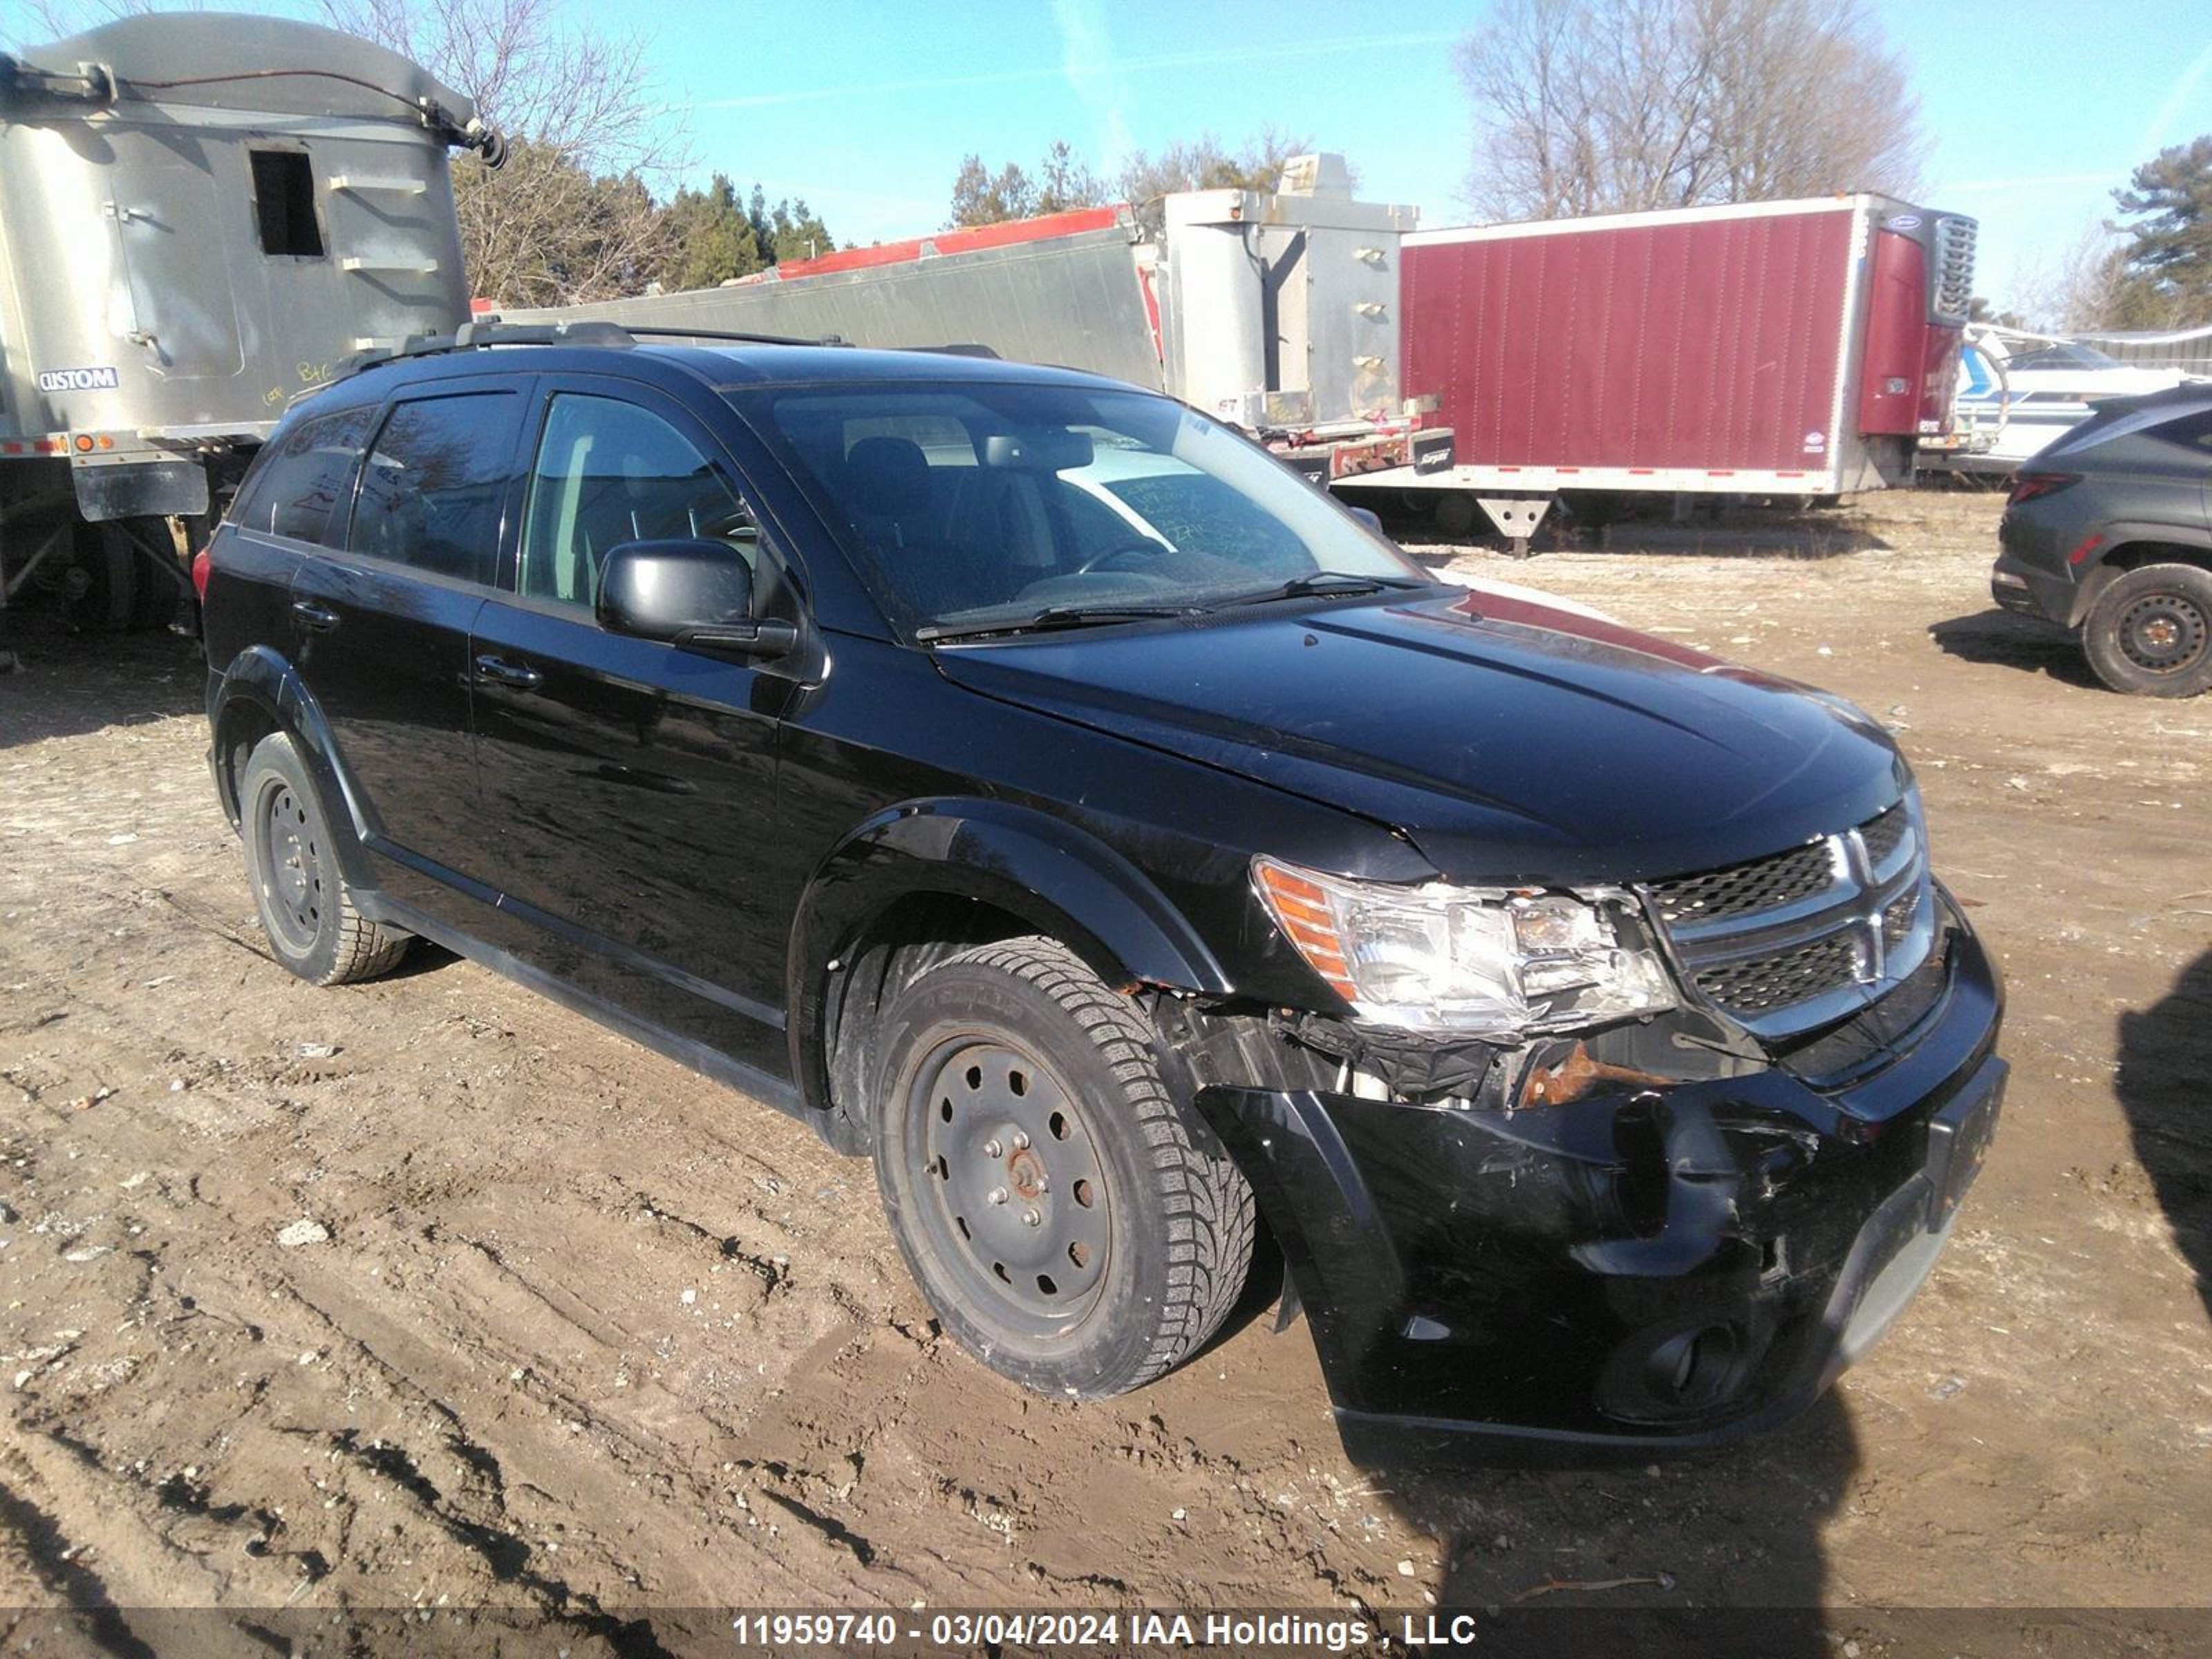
point(320, 617)
point(502, 672)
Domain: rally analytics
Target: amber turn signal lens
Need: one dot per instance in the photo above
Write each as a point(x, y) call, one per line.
point(1301, 910)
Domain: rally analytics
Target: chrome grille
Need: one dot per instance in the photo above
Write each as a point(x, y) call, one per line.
point(1799, 939)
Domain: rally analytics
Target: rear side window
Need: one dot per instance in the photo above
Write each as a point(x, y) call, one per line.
point(432, 492)
point(2193, 429)
point(299, 488)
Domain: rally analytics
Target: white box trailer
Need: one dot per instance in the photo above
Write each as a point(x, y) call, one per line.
point(1275, 311)
point(200, 216)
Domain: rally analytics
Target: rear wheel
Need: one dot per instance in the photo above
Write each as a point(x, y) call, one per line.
point(307, 909)
point(1074, 1227)
point(100, 583)
point(2150, 631)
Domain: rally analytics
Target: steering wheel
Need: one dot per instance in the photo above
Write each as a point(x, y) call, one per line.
point(1143, 546)
point(723, 527)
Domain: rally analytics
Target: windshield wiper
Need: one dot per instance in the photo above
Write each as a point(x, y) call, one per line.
point(1052, 616)
point(1320, 583)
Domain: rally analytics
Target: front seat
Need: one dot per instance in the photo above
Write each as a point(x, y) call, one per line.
point(887, 487)
point(887, 490)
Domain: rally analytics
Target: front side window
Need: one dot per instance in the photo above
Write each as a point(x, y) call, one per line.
point(965, 504)
point(434, 485)
point(299, 488)
point(610, 473)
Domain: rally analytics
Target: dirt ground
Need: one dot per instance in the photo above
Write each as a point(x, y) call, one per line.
point(580, 1334)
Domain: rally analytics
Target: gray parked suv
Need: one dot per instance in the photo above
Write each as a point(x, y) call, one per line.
point(2107, 532)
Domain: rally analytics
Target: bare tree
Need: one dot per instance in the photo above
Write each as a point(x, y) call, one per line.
point(1206, 163)
point(1613, 105)
point(572, 216)
point(2077, 288)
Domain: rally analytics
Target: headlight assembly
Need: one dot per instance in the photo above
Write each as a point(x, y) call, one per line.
point(1488, 963)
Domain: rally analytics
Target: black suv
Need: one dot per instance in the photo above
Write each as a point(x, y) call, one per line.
point(1038, 787)
point(2107, 532)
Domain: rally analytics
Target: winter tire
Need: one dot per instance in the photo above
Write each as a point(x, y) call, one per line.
point(307, 909)
point(1074, 1226)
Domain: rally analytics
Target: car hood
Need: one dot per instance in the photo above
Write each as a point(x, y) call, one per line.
point(1510, 739)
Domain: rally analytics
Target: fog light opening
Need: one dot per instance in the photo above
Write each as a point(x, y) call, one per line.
point(1696, 1367)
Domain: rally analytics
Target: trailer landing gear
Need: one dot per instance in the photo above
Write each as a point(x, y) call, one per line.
point(1515, 517)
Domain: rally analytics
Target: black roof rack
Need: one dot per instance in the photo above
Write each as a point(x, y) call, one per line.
point(470, 337)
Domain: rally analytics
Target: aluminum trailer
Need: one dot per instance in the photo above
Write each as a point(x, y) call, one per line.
point(200, 216)
point(1274, 312)
point(1773, 349)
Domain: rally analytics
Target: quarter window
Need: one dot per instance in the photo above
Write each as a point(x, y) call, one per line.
point(610, 473)
point(301, 485)
point(431, 492)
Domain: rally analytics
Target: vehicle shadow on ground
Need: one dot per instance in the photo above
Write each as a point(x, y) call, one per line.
point(2166, 1058)
point(1712, 1555)
point(54, 684)
point(1809, 540)
point(2005, 641)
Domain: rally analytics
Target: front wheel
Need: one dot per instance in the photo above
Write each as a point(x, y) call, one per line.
point(2150, 631)
point(1075, 1228)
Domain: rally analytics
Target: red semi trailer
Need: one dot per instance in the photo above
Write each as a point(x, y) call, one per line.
point(1793, 349)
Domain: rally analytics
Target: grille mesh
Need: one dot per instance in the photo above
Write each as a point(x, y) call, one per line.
point(1885, 834)
point(1762, 884)
point(1764, 983)
point(1897, 921)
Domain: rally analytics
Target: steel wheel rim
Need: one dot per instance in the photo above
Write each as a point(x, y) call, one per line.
point(291, 872)
point(2164, 633)
point(1012, 1191)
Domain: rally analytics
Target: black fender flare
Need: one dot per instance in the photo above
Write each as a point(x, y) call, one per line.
point(2119, 538)
point(1052, 873)
point(260, 678)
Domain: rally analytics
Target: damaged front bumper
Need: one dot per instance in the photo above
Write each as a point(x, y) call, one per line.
point(1643, 1267)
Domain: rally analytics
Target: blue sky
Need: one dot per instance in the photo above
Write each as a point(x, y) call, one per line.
point(2037, 108)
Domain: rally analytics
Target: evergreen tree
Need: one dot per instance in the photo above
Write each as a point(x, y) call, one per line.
point(712, 238)
point(2166, 273)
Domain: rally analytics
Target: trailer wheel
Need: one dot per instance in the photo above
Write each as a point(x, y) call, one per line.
point(2150, 632)
point(1454, 512)
point(1073, 1226)
point(100, 584)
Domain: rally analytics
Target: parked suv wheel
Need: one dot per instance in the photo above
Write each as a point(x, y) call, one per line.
point(307, 909)
point(2150, 632)
point(1073, 1226)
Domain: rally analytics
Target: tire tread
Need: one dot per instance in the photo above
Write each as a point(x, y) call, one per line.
point(1211, 1222)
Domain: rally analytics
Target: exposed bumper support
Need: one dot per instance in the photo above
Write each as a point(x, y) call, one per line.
point(1637, 1270)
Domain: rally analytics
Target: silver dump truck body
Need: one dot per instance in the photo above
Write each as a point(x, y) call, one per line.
point(1276, 312)
point(201, 216)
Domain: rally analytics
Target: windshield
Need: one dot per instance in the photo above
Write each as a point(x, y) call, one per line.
point(977, 505)
point(2068, 355)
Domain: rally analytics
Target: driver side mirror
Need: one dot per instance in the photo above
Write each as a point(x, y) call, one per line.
point(696, 594)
